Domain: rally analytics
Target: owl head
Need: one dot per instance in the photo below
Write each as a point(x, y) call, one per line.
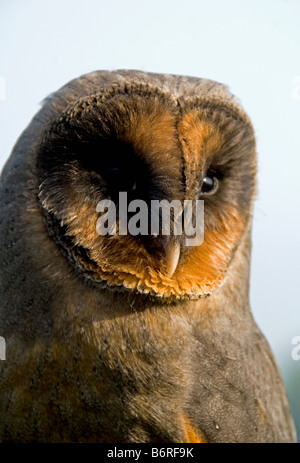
point(150, 138)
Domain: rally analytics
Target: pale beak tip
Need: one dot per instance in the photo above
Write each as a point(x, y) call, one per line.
point(172, 252)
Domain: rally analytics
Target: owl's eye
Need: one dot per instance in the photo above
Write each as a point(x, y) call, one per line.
point(209, 184)
point(111, 170)
point(121, 177)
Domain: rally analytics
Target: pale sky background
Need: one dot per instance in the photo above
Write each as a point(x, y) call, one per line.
point(251, 45)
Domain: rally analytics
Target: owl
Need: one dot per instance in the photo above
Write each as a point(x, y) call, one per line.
point(122, 337)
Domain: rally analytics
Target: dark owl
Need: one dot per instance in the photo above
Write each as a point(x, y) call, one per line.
point(133, 337)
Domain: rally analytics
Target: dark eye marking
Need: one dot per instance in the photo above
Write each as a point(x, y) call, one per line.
point(111, 170)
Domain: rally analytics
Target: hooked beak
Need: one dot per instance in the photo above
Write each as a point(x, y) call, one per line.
point(172, 253)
